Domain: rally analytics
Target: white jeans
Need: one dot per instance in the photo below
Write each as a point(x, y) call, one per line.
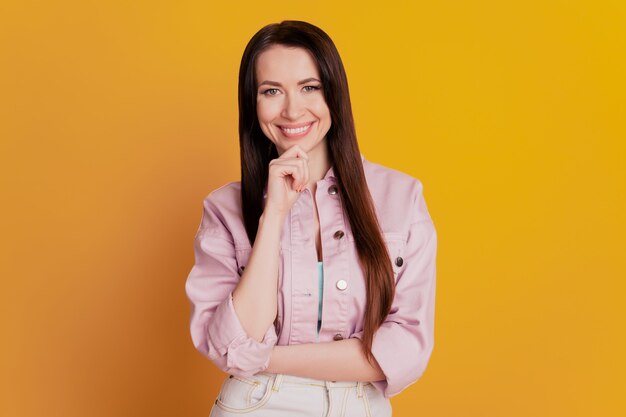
point(278, 395)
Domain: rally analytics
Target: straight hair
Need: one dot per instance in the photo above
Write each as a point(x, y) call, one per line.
point(256, 152)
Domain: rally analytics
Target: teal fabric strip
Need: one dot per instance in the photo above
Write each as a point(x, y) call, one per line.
point(320, 274)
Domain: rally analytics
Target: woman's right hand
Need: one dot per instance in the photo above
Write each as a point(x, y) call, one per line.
point(288, 176)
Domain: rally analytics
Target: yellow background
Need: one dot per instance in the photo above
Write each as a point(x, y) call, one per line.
point(117, 118)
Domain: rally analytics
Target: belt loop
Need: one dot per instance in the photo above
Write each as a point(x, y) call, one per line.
point(359, 389)
point(278, 378)
point(328, 385)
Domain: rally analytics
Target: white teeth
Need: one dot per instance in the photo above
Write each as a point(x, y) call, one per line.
point(297, 130)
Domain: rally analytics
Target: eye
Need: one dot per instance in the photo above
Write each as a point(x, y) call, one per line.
point(310, 88)
point(270, 92)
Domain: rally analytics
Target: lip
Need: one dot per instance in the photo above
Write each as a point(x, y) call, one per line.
point(295, 126)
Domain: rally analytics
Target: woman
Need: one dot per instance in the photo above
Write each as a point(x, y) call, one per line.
point(314, 279)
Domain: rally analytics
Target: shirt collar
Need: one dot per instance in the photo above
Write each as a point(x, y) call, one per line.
point(331, 173)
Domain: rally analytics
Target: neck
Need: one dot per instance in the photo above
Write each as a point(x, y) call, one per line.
point(319, 164)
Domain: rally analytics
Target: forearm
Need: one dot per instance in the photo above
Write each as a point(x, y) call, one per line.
point(255, 296)
point(342, 360)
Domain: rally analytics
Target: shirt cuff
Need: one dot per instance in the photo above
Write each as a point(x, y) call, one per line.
point(399, 373)
point(226, 337)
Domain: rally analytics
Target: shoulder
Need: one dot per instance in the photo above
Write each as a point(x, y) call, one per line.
point(381, 177)
point(225, 198)
point(396, 194)
point(222, 215)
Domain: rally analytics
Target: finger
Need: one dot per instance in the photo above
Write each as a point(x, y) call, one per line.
point(303, 177)
point(295, 151)
point(286, 168)
point(305, 173)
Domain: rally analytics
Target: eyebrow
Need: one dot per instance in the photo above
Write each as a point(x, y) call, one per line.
point(277, 84)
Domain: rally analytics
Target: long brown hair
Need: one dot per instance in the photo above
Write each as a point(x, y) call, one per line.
point(257, 150)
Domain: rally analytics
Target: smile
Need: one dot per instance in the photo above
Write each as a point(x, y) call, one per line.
point(296, 131)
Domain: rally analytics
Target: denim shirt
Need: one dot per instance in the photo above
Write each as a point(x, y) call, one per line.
point(403, 344)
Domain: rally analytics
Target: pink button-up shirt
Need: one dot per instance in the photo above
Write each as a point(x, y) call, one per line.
point(402, 345)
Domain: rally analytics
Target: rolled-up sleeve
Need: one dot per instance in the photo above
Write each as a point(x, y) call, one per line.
point(403, 344)
point(215, 327)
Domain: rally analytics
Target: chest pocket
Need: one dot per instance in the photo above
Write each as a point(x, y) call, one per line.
point(396, 245)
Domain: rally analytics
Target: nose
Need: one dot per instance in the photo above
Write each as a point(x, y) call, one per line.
point(293, 107)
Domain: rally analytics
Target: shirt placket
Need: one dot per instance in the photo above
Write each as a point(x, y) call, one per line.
point(334, 239)
point(335, 248)
point(303, 258)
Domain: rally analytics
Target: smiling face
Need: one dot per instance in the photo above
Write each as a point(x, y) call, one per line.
point(290, 101)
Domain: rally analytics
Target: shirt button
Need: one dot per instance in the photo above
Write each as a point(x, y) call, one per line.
point(342, 284)
point(338, 337)
point(399, 261)
point(332, 190)
point(338, 234)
